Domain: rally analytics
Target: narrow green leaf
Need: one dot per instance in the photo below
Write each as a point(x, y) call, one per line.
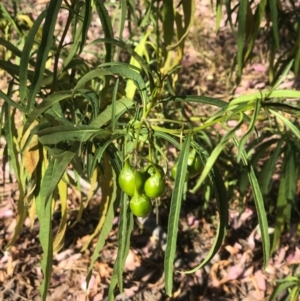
point(113, 106)
point(268, 169)
point(274, 19)
point(52, 176)
point(167, 138)
point(200, 99)
point(125, 70)
point(26, 53)
point(122, 105)
point(242, 16)
point(108, 223)
point(99, 153)
point(123, 5)
point(11, 146)
point(268, 94)
point(219, 6)
point(243, 141)
point(280, 214)
point(10, 131)
point(283, 75)
point(290, 173)
point(86, 23)
point(287, 123)
point(106, 26)
point(12, 103)
point(215, 154)
point(54, 135)
point(168, 22)
point(43, 51)
point(282, 287)
point(176, 200)
point(259, 204)
point(45, 105)
point(222, 202)
point(142, 62)
point(188, 7)
point(124, 234)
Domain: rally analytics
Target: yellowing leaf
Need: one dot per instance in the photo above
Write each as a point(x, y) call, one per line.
point(60, 235)
point(107, 189)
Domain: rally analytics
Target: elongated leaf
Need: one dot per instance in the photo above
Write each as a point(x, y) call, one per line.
point(106, 26)
point(259, 204)
point(43, 51)
point(107, 226)
point(219, 6)
point(124, 233)
point(282, 287)
point(222, 202)
point(140, 50)
point(45, 105)
point(123, 5)
point(108, 187)
point(9, 46)
point(15, 165)
point(174, 215)
point(122, 105)
point(215, 154)
point(188, 7)
point(167, 138)
point(100, 151)
point(26, 53)
point(50, 180)
point(168, 22)
point(59, 239)
point(200, 99)
point(113, 106)
point(11, 102)
point(283, 75)
point(243, 141)
point(280, 213)
point(136, 55)
point(124, 70)
point(13, 69)
point(86, 23)
point(287, 123)
point(274, 19)
point(268, 169)
point(268, 94)
point(290, 173)
point(54, 135)
point(242, 17)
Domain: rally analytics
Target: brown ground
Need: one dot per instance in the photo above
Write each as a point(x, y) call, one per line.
point(236, 271)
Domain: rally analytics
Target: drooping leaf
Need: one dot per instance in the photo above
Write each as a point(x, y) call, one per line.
point(242, 17)
point(108, 187)
point(268, 169)
point(59, 238)
point(45, 105)
point(26, 54)
point(107, 28)
point(51, 178)
point(175, 208)
point(43, 51)
point(188, 7)
point(259, 205)
point(222, 202)
point(280, 214)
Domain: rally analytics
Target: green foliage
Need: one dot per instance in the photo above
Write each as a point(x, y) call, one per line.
point(94, 116)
